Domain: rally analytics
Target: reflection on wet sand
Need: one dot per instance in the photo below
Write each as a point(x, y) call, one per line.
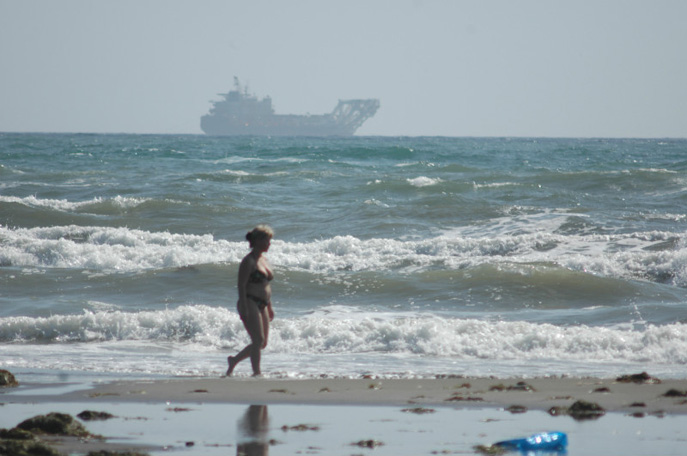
point(253, 429)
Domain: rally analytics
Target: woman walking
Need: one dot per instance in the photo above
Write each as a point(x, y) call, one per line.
point(255, 294)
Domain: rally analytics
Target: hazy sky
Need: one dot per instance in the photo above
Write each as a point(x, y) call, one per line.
point(611, 68)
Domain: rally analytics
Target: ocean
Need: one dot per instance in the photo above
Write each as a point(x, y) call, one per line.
point(393, 256)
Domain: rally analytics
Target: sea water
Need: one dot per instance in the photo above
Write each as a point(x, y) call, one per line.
point(395, 257)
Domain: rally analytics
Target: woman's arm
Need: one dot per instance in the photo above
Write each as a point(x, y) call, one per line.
point(244, 274)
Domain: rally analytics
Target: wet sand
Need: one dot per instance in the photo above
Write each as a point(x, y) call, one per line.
point(535, 394)
point(351, 416)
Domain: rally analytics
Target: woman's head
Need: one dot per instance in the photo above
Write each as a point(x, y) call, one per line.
point(258, 233)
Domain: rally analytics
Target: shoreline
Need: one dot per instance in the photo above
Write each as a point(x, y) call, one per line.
point(541, 393)
point(154, 416)
point(535, 394)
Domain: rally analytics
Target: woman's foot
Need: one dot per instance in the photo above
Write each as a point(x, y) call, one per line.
point(232, 364)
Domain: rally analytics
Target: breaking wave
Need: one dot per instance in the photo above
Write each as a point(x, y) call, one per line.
point(655, 256)
point(356, 332)
point(96, 206)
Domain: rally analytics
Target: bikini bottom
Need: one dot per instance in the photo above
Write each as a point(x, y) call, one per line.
point(262, 304)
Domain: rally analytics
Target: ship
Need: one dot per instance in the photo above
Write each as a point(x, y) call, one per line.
point(241, 113)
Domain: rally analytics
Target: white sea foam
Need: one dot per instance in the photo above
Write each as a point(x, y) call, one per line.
point(202, 328)
point(121, 202)
point(234, 159)
point(423, 181)
point(636, 255)
point(110, 249)
point(406, 164)
point(231, 172)
point(375, 202)
point(495, 185)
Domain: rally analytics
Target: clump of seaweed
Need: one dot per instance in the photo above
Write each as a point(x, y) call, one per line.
point(517, 409)
point(675, 393)
point(370, 443)
point(23, 440)
point(418, 410)
point(520, 386)
point(26, 448)
point(178, 409)
point(458, 397)
point(580, 410)
point(300, 427)
point(283, 391)
point(90, 415)
point(54, 424)
point(638, 378)
point(115, 453)
point(7, 379)
point(602, 389)
point(491, 450)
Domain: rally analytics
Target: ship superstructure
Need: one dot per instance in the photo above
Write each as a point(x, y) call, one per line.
point(240, 113)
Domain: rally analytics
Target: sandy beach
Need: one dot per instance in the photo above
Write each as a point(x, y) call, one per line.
point(242, 415)
point(535, 394)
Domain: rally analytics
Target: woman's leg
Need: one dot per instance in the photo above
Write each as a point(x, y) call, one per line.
point(258, 339)
point(264, 316)
point(254, 325)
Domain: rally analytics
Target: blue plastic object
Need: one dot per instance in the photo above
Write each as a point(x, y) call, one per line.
point(554, 442)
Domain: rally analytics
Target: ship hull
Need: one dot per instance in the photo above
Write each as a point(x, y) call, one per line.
point(275, 126)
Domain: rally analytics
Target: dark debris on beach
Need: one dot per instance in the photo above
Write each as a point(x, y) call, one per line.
point(7, 379)
point(26, 438)
point(458, 398)
point(675, 393)
point(418, 410)
point(491, 450)
point(369, 443)
point(515, 409)
point(520, 386)
point(580, 411)
point(55, 424)
point(91, 415)
point(116, 453)
point(638, 378)
point(300, 427)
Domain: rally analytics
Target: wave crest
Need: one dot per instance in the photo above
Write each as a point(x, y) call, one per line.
point(655, 256)
point(319, 333)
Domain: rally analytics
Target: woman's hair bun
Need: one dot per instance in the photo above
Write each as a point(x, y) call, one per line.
point(259, 232)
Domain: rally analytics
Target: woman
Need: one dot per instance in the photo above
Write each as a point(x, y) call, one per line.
point(255, 293)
